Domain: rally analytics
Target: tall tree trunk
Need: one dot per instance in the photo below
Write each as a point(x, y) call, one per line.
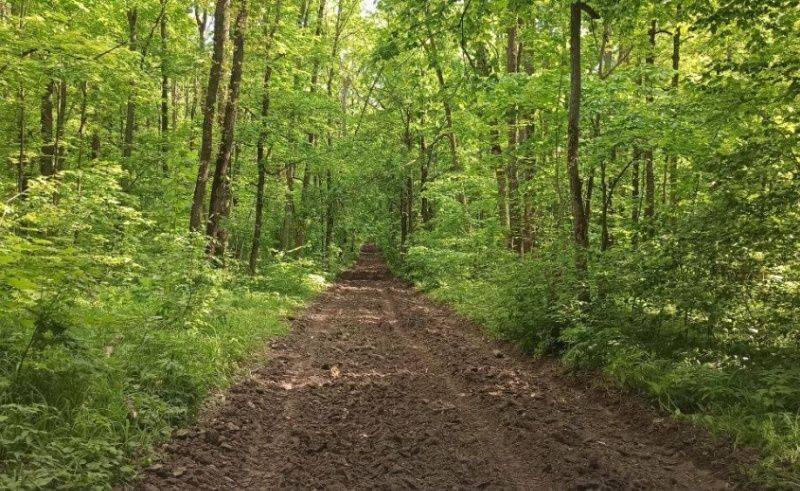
point(647, 154)
point(47, 164)
point(209, 107)
point(424, 170)
point(287, 229)
point(636, 198)
point(261, 155)
point(219, 208)
point(579, 220)
point(22, 177)
point(308, 170)
point(330, 201)
point(130, 110)
point(61, 115)
point(406, 191)
point(605, 236)
point(676, 66)
point(165, 93)
point(501, 180)
point(512, 173)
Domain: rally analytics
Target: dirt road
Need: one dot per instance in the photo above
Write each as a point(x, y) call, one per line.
point(378, 387)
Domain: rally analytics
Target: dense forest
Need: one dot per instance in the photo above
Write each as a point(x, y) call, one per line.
point(616, 183)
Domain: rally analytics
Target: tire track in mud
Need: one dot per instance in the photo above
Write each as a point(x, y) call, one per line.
point(378, 387)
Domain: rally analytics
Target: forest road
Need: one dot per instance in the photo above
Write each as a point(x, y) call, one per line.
point(379, 387)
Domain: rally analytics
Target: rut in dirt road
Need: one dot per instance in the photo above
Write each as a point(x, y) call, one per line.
point(378, 387)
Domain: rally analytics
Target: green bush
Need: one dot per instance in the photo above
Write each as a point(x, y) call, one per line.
point(113, 332)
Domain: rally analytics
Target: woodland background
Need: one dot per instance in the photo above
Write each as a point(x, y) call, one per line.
point(177, 176)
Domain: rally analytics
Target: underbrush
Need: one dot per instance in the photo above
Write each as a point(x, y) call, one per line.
point(729, 377)
point(79, 409)
point(113, 332)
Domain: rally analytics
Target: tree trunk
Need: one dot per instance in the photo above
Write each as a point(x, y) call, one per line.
point(130, 110)
point(579, 221)
point(22, 177)
point(636, 194)
point(209, 107)
point(647, 155)
point(47, 165)
point(512, 173)
point(605, 237)
point(165, 93)
point(425, 162)
point(673, 161)
point(261, 155)
point(500, 179)
point(61, 115)
point(308, 170)
point(219, 207)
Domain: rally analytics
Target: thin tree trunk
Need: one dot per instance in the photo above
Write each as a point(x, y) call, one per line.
point(500, 179)
point(579, 219)
point(673, 161)
point(425, 162)
point(308, 170)
point(605, 237)
point(61, 114)
point(130, 110)
point(647, 155)
point(219, 208)
point(636, 195)
point(209, 106)
point(261, 155)
point(47, 164)
point(512, 173)
point(165, 93)
point(22, 178)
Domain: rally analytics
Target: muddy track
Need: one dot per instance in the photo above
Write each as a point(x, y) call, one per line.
point(378, 387)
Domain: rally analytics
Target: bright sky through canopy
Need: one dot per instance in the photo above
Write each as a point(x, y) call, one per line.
point(368, 6)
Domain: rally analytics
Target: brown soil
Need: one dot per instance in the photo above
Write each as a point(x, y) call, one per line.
point(378, 387)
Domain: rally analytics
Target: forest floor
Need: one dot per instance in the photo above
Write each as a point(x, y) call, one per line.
point(379, 387)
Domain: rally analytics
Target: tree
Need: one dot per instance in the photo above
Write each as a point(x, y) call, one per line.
point(209, 106)
point(219, 207)
point(580, 222)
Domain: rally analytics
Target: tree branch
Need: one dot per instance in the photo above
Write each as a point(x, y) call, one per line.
point(592, 13)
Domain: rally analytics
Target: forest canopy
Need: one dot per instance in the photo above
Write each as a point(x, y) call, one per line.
point(616, 183)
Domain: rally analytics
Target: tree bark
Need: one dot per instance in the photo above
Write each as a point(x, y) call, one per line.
point(261, 155)
point(130, 110)
point(579, 221)
point(312, 137)
point(209, 107)
point(165, 93)
point(673, 161)
point(47, 165)
point(512, 177)
point(22, 177)
point(425, 162)
point(647, 154)
point(219, 208)
point(61, 115)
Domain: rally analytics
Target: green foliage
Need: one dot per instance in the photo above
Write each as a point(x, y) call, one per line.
point(114, 331)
